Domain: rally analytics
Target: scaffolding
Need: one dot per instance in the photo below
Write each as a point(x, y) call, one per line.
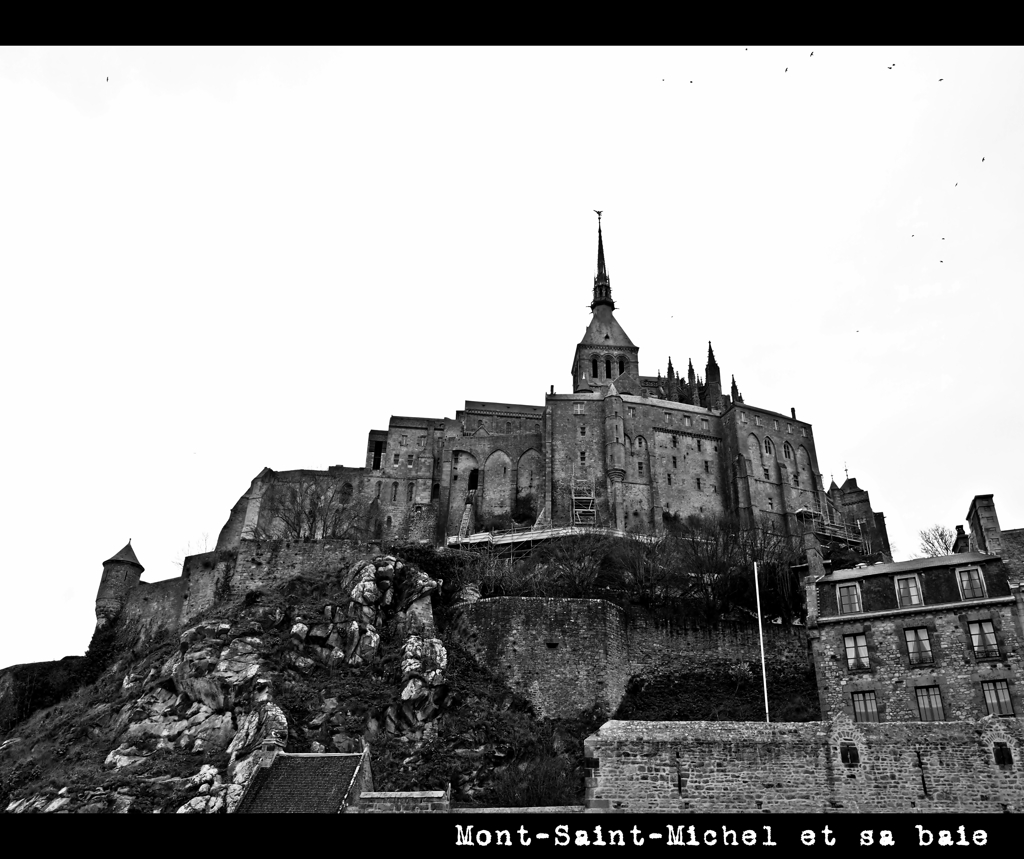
point(584, 500)
point(830, 526)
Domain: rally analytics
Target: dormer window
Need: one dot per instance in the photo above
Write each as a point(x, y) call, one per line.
point(848, 597)
point(908, 591)
point(972, 585)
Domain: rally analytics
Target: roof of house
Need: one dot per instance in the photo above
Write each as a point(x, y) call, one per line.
point(125, 556)
point(301, 784)
point(910, 566)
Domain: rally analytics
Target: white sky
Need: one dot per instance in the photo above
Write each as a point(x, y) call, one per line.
point(224, 259)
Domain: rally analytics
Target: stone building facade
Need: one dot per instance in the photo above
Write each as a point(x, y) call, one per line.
point(622, 451)
point(933, 639)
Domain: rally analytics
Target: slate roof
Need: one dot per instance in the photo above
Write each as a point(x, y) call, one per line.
point(301, 784)
point(909, 566)
point(125, 556)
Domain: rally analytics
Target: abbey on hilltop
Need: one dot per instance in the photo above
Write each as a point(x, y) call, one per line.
point(623, 451)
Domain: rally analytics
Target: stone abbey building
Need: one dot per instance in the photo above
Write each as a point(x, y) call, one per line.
point(622, 452)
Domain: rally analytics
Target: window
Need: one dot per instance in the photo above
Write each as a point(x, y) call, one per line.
point(803, 431)
point(670, 480)
point(908, 590)
point(768, 448)
point(394, 491)
point(479, 423)
point(771, 503)
point(787, 450)
point(929, 704)
point(675, 442)
point(714, 488)
point(421, 441)
point(405, 440)
point(865, 707)
point(608, 367)
point(848, 753)
point(583, 431)
point(583, 457)
point(1001, 752)
point(674, 465)
point(972, 585)
point(983, 639)
point(687, 421)
point(640, 469)
point(698, 483)
point(409, 460)
point(789, 428)
point(508, 427)
point(997, 697)
point(704, 425)
point(758, 421)
point(766, 475)
point(707, 467)
point(577, 408)
point(849, 599)
point(622, 366)
point(919, 646)
point(397, 458)
point(796, 479)
point(593, 368)
point(408, 492)
point(775, 425)
point(743, 417)
point(435, 493)
point(699, 448)
point(630, 412)
point(856, 651)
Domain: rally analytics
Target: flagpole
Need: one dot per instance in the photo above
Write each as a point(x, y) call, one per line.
point(760, 635)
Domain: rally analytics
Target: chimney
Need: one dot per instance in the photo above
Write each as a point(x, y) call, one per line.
point(962, 543)
point(985, 533)
point(269, 750)
point(552, 389)
point(792, 411)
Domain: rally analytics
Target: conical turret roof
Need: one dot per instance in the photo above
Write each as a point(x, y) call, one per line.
point(125, 556)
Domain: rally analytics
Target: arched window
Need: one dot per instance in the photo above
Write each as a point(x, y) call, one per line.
point(379, 485)
point(768, 447)
point(435, 493)
point(387, 524)
point(508, 427)
point(622, 366)
point(394, 491)
point(593, 368)
point(408, 492)
point(787, 450)
point(474, 477)
point(608, 367)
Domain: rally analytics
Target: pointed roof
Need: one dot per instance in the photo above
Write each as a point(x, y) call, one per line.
point(670, 373)
point(602, 285)
point(125, 556)
point(604, 330)
point(711, 356)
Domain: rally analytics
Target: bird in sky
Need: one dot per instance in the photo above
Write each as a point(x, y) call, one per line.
point(983, 160)
point(812, 53)
point(941, 80)
point(955, 184)
point(787, 68)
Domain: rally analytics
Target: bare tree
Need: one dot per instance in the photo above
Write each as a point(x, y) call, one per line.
point(574, 563)
point(200, 547)
point(314, 507)
point(936, 541)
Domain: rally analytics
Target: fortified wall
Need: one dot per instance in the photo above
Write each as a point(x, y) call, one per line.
point(839, 766)
point(567, 655)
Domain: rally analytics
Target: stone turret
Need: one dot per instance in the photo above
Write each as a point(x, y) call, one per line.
point(121, 574)
point(615, 452)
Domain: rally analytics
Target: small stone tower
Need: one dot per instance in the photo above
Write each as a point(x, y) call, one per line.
point(121, 574)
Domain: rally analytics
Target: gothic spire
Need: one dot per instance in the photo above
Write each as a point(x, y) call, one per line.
point(711, 356)
point(602, 285)
point(670, 370)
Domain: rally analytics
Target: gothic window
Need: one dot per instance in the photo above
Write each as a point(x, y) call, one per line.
point(435, 493)
point(997, 698)
point(908, 590)
point(408, 493)
point(972, 585)
point(983, 639)
point(394, 491)
point(787, 450)
point(768, 448)
point(474, 477)
point(929, 703)
point(593, 367)
point(856, 651)
point(608, 368)
point(622, 366)
point(865, 707)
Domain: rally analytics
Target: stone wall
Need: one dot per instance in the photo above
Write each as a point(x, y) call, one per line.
point(153, 608)
point(707, 767)
point(564, 655)
point(659, 647)
point(381, 802)
point(954, 669)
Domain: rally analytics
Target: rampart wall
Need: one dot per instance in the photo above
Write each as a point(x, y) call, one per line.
point(153, 608)
point(564, 655)
point(840, 766)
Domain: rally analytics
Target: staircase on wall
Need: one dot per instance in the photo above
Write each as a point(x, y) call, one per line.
point(584, 500)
